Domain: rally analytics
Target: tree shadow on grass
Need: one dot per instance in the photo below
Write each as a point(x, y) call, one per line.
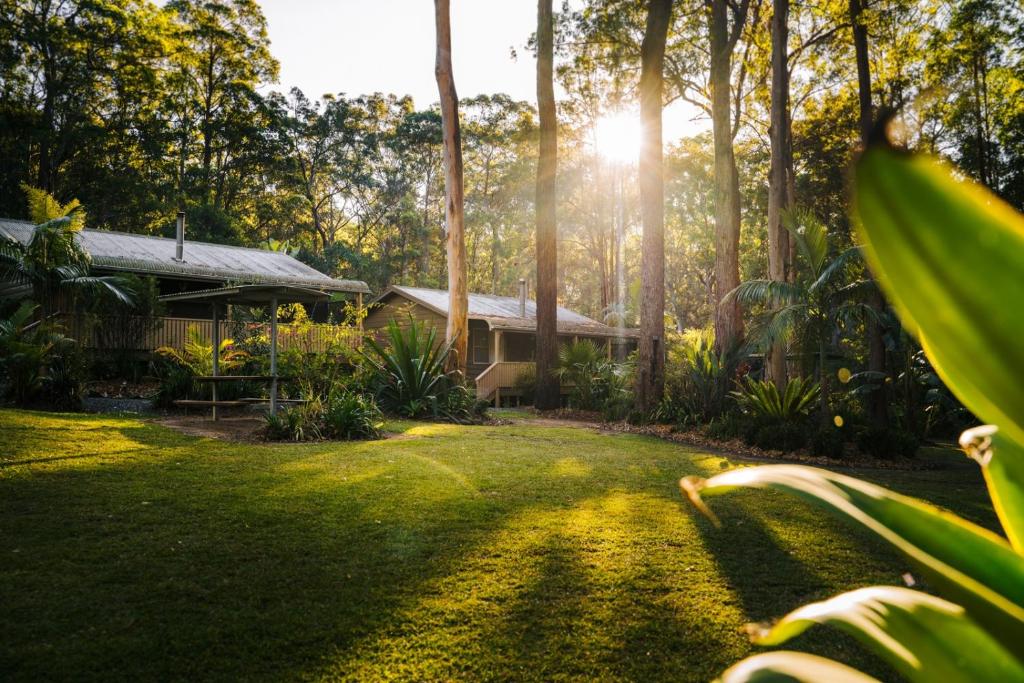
point(768, 579)
point(193, 558)
point(201, 563)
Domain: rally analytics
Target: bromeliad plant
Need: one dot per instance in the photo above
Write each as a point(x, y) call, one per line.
point(949, 255)
point(761, 398)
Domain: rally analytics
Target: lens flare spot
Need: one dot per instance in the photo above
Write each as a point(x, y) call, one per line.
point(844, 375)
point(838, 420)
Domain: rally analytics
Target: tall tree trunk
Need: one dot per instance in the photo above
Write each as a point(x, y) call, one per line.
point(650, 377)
point(424, 273)
point(778, 188)
point(879, 399)
point(457, 332)
point(860, 49)
point(728, 319)
point(547, 395)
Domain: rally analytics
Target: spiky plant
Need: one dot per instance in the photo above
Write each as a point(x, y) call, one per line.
point(409, 369)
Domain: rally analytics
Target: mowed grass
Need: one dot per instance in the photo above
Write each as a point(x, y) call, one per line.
point(524, 552)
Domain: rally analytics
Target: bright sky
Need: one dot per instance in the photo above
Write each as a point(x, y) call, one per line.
point(364, 46)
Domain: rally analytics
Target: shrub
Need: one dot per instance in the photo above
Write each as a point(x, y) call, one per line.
point(828, 442)
point(526, 385)
point(697, 378)
point(351, 415)
point(65, 378)
point(597, 383)
point(197, 354)
point(887, 443)
point(303, 422)
point(408, 375)
point(344, 415)
point(777, 436)
point(38, 364)
point(762, 398)
point(460, 405)
point(175, 382)
point(724, 427)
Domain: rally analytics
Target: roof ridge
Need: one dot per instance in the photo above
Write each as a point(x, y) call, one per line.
point(187, 241)
point(138, 235)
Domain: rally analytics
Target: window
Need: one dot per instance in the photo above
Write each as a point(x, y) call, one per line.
point(481, 351)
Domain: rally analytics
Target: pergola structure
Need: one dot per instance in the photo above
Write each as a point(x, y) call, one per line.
point(248, 295)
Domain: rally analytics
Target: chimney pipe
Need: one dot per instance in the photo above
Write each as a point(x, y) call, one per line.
point(179, 246)
point(522, 297)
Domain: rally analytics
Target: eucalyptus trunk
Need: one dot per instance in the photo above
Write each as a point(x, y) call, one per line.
point(778, 186)
point(650, 376)
point(457, 331)
point(728, 319)
point(879, 398)
point(548, 392)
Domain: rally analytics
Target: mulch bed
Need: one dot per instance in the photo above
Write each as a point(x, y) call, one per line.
point(116, 388)
point(731, 447)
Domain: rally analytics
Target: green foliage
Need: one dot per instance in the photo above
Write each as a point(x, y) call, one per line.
point(344, 415)
point(829, 442)
point(409, 375)
point(38, 364)
point(928, 236)
point(596, 383)
point(175, 382)
point(52, 261)
point(697, 378)
point(773, 435)
point(197, 354)
point(761, 398)
point(526, 385)
point(887, 442)
point(302, 422)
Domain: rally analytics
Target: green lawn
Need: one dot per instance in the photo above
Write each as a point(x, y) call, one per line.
point(510, 552)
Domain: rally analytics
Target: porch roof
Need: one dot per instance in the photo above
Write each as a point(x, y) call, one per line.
point(252, 295)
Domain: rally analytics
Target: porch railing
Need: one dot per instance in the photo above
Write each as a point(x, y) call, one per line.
point(173, 332)
point(498, 376)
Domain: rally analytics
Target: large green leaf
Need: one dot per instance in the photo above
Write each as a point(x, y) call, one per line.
point(792, 667)
point(1002, 461)
point(923, 637)
point(968, 564)
point(950, 256)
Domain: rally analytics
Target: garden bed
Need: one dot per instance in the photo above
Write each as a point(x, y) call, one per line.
point(696, 437)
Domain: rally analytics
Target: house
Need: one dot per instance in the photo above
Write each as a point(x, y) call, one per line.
point(502, 331)
point(181, 266)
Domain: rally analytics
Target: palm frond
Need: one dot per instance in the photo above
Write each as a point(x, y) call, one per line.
point(811, 237)
point(764, 292)
point(836, 266)
point(116, 286)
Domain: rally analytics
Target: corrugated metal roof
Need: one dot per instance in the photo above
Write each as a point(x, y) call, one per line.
point(502, 312)
point(155, 256)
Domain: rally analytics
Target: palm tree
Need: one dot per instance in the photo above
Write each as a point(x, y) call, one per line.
point(52, 261)
point(815, 304)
